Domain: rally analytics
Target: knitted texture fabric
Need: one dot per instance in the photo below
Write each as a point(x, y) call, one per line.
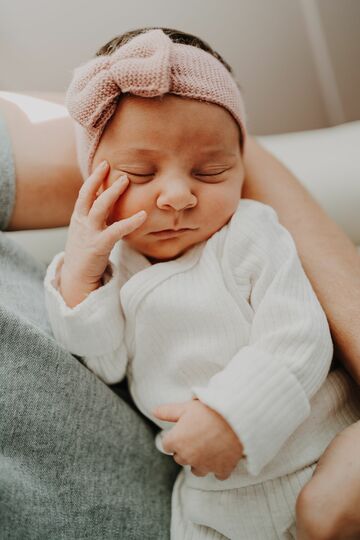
point(233, 321)
point(149, 65)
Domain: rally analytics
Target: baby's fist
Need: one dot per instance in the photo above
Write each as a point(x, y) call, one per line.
point(201, 438)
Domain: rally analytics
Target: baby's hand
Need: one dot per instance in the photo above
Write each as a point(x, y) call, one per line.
point(90, 240)
point(200, 438)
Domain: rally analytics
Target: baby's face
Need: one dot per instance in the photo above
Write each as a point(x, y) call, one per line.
point(183, 160)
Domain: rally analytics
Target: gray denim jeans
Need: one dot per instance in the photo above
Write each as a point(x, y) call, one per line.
point(76, 460)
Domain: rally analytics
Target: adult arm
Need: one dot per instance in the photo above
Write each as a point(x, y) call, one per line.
point(48, 181)
point(329, 258)
point(47, 175)
point(67, 459)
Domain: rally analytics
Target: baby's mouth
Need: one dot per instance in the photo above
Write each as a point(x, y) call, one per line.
point(169, 233)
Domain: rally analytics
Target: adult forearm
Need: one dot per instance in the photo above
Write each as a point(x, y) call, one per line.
point(47, 176)
point(330, 260)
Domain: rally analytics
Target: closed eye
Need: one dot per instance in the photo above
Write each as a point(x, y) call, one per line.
point(151, 174)
point(211, 177)
point(137, 178)
point(208, 174)
point(137, 174)
point(202, 175)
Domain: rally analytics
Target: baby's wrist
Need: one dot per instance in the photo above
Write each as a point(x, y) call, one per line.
point(74, 289)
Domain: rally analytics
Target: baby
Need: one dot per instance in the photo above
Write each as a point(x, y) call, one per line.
point(197, 296)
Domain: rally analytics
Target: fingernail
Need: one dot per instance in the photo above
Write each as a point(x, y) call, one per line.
point(103, 164)
point(120, 181)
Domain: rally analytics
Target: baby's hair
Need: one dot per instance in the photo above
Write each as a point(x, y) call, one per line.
point(177, 36)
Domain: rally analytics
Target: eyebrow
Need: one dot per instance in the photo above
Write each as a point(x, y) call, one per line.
point(153, 151)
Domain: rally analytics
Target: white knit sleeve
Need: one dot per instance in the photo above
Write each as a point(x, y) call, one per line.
point(264, 391)
point(94, 328)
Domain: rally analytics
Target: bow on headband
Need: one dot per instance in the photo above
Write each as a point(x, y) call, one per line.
point(149, 65)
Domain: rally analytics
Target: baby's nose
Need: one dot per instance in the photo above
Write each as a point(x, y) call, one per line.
point(176, 195)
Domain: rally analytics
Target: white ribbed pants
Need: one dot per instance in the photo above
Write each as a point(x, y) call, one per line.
point(264, 511)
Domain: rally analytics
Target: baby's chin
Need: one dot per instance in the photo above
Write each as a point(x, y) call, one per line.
point(162, 252)
point(164, 257)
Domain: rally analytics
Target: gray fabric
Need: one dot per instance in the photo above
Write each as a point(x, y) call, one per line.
point(7, 184)
point(76, 461)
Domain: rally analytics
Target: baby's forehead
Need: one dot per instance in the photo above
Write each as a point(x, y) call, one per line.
point(169, 111)
point(152, 152)
point(149, 127)
point(150, 148)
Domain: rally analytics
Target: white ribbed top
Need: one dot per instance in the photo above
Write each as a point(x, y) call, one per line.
point(234, 321)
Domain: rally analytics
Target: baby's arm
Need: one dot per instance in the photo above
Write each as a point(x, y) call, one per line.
point(264, 391)
point(94, 329)
point(84, 311)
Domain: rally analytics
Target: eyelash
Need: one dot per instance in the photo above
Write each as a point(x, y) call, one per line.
point(216, 174)
point(146, 175)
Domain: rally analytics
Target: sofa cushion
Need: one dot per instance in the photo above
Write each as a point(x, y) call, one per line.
point(327, 162)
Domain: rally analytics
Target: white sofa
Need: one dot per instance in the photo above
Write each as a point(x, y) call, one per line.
point(327, 161)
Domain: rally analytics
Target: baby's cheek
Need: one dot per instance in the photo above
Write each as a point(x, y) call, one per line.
point(126, 205)
point(118, 212)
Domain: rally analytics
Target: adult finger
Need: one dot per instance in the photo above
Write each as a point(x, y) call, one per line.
point(87, 193)
point(102, 206)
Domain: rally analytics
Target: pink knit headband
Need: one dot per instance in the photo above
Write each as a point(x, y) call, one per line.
point(149, 65)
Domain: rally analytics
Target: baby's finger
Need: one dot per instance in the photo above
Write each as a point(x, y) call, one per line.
point(223, 470)
point(180, 460)
point(197, 471)
point(121, 228)
point(170, 412)
point(87, 193)
point(102, 206)
point(222, 476)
